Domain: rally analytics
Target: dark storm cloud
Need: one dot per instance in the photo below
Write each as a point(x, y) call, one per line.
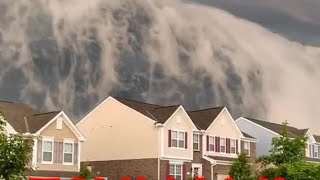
point(294, 19)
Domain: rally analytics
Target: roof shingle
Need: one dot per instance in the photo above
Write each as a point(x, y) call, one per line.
point(15, 114)
point(203, 118)
point(292, 131)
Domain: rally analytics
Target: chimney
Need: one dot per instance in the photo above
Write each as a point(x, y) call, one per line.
point(26, 123)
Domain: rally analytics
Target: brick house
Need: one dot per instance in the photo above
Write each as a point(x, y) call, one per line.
point(127, 138)
point(55, 140)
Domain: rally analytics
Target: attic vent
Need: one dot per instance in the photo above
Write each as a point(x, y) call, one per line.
point(178, 119)
point(59, 123)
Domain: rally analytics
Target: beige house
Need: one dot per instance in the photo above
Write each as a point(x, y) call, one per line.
point(55, 140)
point(127, 138)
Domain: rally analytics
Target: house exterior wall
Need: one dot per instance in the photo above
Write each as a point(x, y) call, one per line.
point(252, 157)
point(133, 168)
point(58, 135)
point(113, 122)
point(178, 122)
point(263, 135)
point(224, 127)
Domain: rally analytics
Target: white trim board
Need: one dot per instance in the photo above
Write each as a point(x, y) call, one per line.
point(69, 124)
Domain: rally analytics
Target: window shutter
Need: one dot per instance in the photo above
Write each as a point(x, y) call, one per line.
point(60, 152)
point(169, 138)
point(75, 153)
point(237, 148)
point(207, 143)
point(55, 152)
point(184, 172)
point(168, 170)
point(217, 144)
point(318, 152)
point(39, 149)
point(186, 140)
point(228, 145)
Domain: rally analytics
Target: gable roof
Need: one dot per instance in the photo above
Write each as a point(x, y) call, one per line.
point(15, 114)
point(277, 128)
point(203, 118)
point(152, 111)
point(37, 121)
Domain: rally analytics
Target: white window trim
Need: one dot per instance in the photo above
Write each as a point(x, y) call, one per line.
point(235, 146)
point(315, 149)
point(184, 139)
point(214, 143)
point(248, 147)
point(175, 170)
point(47, 139)
point(198, 148)
point(71, 142)
point(225, 145)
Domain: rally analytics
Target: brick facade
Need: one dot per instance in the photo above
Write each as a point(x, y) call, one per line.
point(117, 169)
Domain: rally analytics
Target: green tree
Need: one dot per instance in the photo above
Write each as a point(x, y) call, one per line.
point(285, 149)
point(15, 154)
point(85, 172)
point(241, 169)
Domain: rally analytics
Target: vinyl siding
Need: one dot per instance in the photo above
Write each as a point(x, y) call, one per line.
point(114, 131)
point(263, 136)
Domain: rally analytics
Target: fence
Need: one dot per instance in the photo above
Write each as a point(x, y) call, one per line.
point(97, 178)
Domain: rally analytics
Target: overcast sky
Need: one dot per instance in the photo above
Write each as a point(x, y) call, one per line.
point(297, 20)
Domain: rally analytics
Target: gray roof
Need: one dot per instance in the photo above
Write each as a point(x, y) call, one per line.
point(15, 114)
point(153, 111)
point(204, 117)
point(277, 128)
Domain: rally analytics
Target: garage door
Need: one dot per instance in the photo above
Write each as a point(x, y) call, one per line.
point(222, 177)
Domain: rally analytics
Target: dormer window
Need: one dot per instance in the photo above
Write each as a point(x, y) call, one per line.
point(59, 123)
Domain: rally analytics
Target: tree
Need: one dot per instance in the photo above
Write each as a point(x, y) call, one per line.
point(240, 169)
point(85, 172)
point(15, 154)
point(285, 149)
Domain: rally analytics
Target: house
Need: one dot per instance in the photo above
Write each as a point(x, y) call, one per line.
point(127, 138)
point(266, 131)
point(220, 142)
point(55, 140)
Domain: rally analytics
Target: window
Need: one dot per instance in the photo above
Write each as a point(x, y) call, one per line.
point(47, 151)
point(196, 142)
point(315, 151)
point(67, 152)
point(246, 148)
point(232, 146)
point(222, 145)
point(211, 143)
point(59, 123)
point(176, 171)
point(177, 139)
